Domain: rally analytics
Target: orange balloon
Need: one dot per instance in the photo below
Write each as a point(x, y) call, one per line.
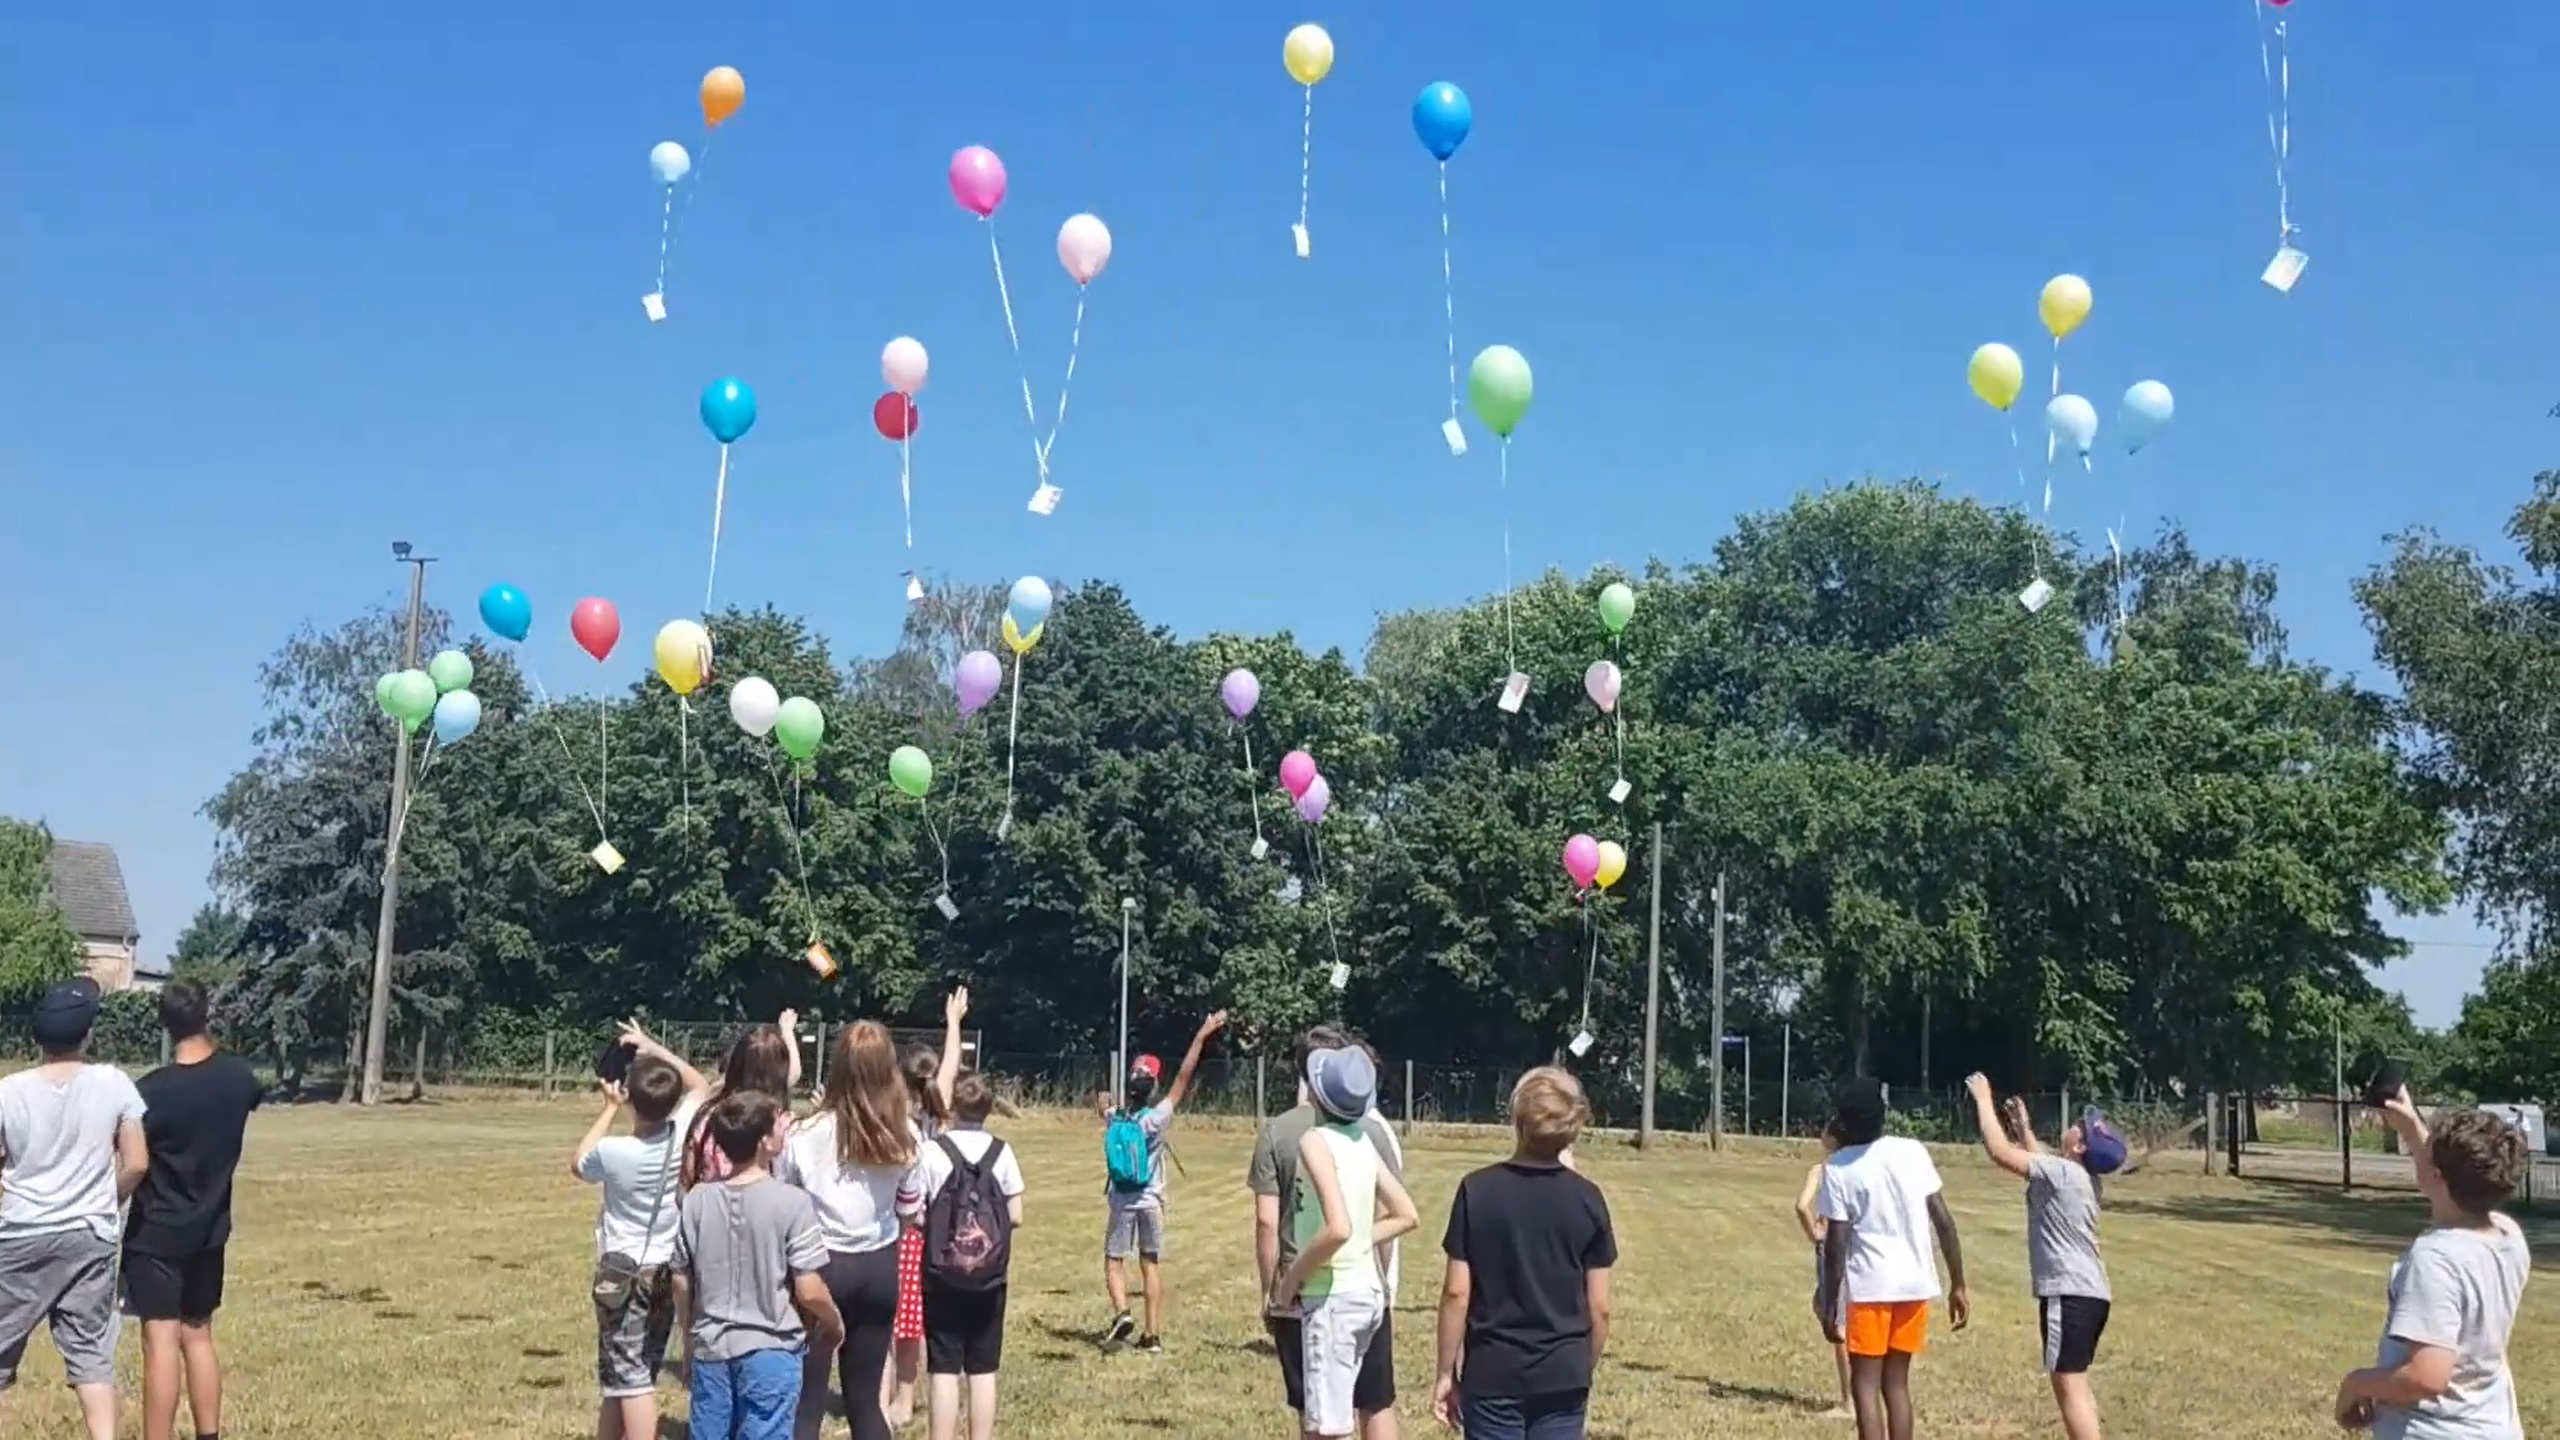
point(723, 91)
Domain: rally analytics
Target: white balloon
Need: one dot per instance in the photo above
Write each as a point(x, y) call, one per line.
point(754, 705)
point(2073, 421)
point(1084, 247)
point(668, 160)
point(902, 365)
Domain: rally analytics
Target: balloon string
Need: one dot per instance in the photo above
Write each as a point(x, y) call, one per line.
point(1012, 731)
point(1510, 633)
point(1306, 155)
point(906, 495)
point(576, 777)
point(604, 754)
point(1030, 411)
point(2056, 391)
point(1620, 718)
point(701, 168)
point(684, 748)
point(719, 508)
point(666, 219)
point(1591, 968)
point(791, 826)
point(2277, 79)
point(1323, 892)
point(1252, 791)
point(2115, 546)
point(939, 848)
point(1448, 293)
point(426, 759)
point(1075, 342)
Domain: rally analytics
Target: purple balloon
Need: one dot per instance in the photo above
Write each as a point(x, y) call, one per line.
point(1312, 804)
point(1241, 691)
point(978, 679)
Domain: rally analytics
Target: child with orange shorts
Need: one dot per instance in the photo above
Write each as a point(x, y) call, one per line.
point(1881, 1205)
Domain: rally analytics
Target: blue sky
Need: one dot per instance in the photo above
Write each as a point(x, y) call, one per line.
point(290, 282)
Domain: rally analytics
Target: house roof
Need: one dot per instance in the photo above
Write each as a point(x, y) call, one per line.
point(88, 886)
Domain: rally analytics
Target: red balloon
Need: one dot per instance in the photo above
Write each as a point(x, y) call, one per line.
point(596, 624)
point(896, 416)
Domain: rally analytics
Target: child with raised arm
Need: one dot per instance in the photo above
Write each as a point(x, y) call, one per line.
point(640, 1175)
point(2441, 1370)
point(2063, 1260)
point(750, 1281)
point(1880, 1198)
point(1133, 1153)
point(1813, 1226)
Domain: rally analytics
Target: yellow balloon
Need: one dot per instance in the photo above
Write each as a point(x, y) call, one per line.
point(2064, 304)
point(684, 656)
point(1021, 644)
point(1308, 52)
point(1997, 375)
point(1613, 863)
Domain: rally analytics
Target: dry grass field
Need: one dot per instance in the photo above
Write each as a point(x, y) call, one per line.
point(421, 1270)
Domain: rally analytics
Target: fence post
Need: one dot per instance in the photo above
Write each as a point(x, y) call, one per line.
point(1408, 1097)
point(418, 1069)
point(1260, 1110)
point(2212, 1127)
point(549, 1067)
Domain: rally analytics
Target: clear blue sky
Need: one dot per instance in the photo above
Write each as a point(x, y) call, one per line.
point(290, 282)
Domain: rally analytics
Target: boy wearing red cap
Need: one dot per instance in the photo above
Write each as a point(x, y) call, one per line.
point(1133, 1146)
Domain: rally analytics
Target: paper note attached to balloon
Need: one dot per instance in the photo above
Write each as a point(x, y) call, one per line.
point(1581, 1045)
point(2036, 596)
point(606, 857)
point(1341, 976)
point(1514, 691)
point(2285, 269)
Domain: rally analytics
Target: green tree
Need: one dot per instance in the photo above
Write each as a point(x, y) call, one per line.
point(36, 948)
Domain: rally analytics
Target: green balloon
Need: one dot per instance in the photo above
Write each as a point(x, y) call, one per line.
point(451, 670)
point(1498, 388)
point(412, 698)
point(382, 691)
point(1617, 606)
point(799, 726)
point(911, 770)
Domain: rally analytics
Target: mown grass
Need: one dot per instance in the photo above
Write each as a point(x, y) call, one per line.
point(421, 1269)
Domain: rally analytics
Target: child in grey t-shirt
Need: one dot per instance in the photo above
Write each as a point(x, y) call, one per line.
point(749, 1266)
point(2063, 1259)
point(2441, 1372)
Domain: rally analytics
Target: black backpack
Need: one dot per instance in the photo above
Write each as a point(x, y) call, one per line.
point(968, 1224)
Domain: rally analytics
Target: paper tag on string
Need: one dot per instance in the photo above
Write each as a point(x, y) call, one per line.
point(820, 961)
point(943, 904)
point(1299, 234)
point(1581, 1045)
point(1261, 847)
point(915, 588)
point(656, 305)
point(1341, 976)
point(1455, 435)
point(1619, 792)
point(1044, 501)
point(2035, 596)
point(1004, 827)
point(606, 857)
point(2285, 269)
point(1514, 690)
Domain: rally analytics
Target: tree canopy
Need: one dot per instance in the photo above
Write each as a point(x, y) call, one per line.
point(36, 947)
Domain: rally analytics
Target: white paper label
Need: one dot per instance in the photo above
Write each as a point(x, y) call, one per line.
point(2285, 269)
point(1341, 975)
point(1581, 1045)
point(943, 904)
point(2035, 596)
point(1261, 847)
point(915, 588)
point(656, 305)
point(1514, 690)
point(1455, 435)
point(1044, 501)
point(821, 962)
point(606, 857)
point(1619, 792)
point(1299, 234)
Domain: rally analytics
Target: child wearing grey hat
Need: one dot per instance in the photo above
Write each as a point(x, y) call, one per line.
point(1347, 1205)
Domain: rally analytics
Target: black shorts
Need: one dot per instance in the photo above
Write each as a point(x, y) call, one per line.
point(174, 1287)
point(1373, 1393)
point(963, 1330)
point(2072, 1325)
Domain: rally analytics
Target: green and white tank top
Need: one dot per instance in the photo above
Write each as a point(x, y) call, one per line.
point(1353, 1268)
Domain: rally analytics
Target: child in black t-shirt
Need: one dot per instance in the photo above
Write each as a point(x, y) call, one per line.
point(1522, 1326)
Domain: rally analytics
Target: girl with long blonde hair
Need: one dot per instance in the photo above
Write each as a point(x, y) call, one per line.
point(857, 1159)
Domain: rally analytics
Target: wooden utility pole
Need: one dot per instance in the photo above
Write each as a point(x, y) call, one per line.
point(377, 1025)
point(1652, 995)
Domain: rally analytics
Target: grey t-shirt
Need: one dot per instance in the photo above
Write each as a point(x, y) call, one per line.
point(739, 1246)
point(2062, 1229)
point(1274, 1171)
point(2457, 1290)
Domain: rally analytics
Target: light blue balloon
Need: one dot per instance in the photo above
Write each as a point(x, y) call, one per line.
point(506, 612)
point(2146, 411)
point(1442, 117)
point(2074, 422)
point(1029, 603)
point(457, 715)
point(728, 410)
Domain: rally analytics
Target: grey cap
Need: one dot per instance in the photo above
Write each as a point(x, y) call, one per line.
point(1342, 1082)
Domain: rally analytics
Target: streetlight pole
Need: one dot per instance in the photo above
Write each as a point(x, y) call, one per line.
point(1652, 994)
point(1715, 1116)
point(377, 1025)
point(1120, 1071)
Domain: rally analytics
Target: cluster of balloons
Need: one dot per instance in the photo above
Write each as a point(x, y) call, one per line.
point(1308, 790)
point(903, 364)
point(1602, 681)
point(1026, 610)
point(1594, 862)
point(797, 724)
point(441, 693)
point(1997, 376)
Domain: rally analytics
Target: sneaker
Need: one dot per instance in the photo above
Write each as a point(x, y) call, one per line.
point(1122, 1327)
point(1150, 1345)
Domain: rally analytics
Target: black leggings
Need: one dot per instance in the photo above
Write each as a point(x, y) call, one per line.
point(865, 1286)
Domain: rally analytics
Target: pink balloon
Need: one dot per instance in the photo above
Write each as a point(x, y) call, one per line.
point(902, 365)
point(1084, 247)
point(977, 180)
point(1311, 806)
point(1582, 860)
point(1298, 771)
point(1601, 683)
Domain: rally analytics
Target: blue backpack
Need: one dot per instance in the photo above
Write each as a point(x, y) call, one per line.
point(1125, 1155)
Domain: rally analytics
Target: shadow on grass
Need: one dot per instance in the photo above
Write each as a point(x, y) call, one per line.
point(1764, 1396)
point(2383, 1221)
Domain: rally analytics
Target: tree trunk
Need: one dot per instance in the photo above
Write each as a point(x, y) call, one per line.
point(1858, 1026)
point(354, 1076)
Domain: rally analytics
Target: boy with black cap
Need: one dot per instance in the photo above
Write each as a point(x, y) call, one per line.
point(2062, 1240)
point(71, 1150)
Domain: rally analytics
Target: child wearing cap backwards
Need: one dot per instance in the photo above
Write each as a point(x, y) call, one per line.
point(1133, 1148)
point(2441, 1373)
point(2063, 1260)
point(1348, 1203)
